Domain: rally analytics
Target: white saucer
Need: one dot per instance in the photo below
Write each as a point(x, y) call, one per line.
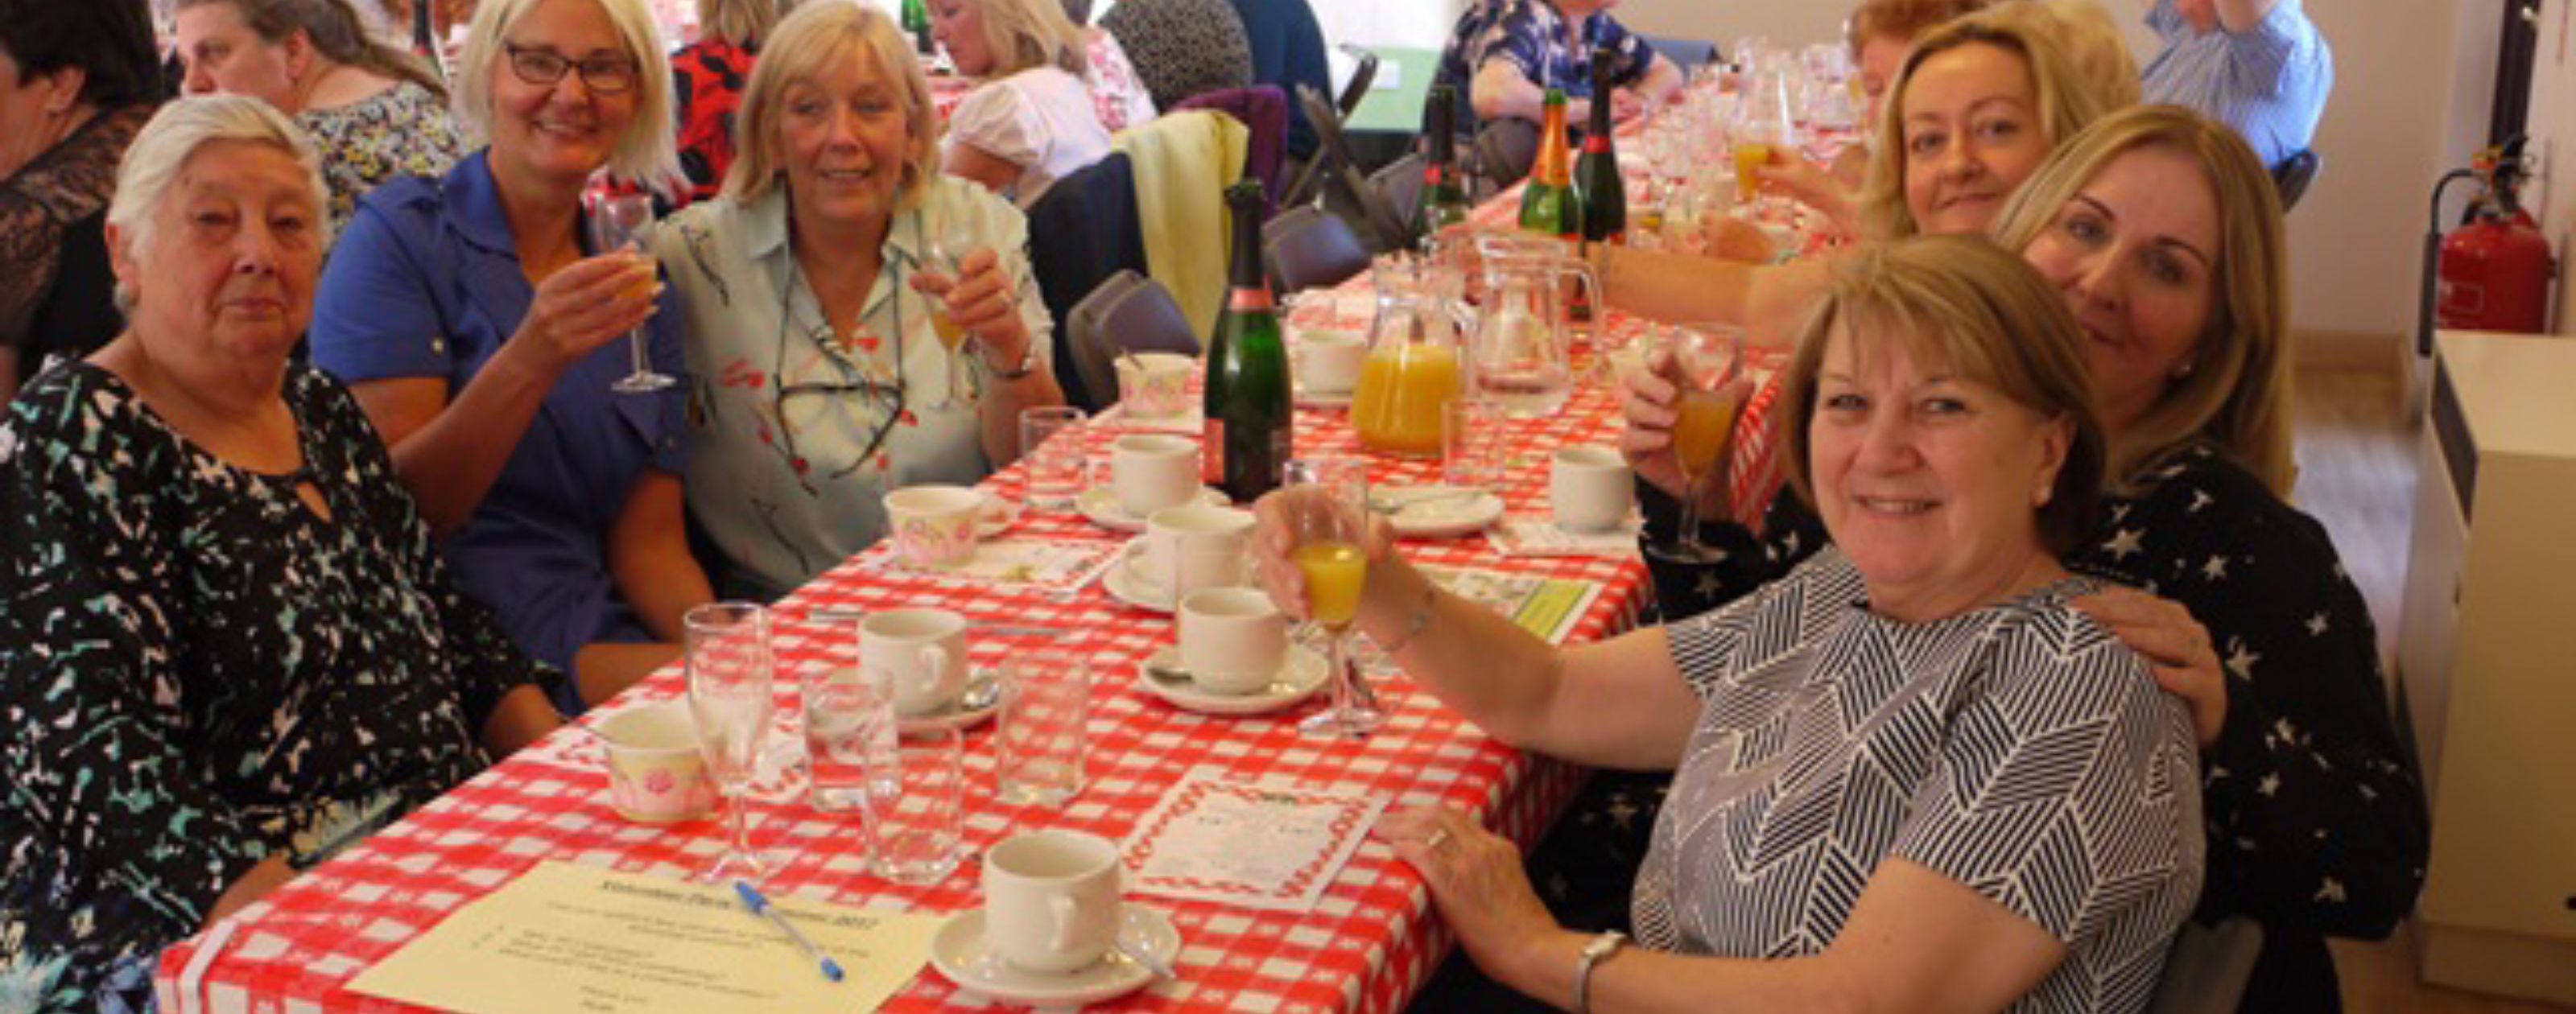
point(954, 714)
point(1126, 585)
point(1100, 505)
point(996, 516)
point(1429, 513)
point(1323, 399)
point(958, 951)
point(1299, 679)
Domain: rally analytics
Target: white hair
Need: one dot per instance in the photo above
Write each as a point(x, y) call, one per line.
point(647, 152)
point(153, 162)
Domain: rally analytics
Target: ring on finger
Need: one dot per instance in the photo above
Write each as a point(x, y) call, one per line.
point(1439, 837)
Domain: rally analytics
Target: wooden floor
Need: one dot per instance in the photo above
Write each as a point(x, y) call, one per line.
point(2357, 476)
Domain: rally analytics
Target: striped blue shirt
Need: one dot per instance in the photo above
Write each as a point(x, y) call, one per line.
point(2270, 81)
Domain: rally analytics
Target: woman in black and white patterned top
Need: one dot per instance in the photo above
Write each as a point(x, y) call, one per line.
point(1907, 776)
point(2160, 228)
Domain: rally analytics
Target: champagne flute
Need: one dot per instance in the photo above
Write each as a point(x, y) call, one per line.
point(1331, 531)
point(1711, 357)
point(938, 261)
point(730, 668)
point(617, 221)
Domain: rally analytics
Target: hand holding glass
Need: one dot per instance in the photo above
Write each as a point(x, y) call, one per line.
point(618, 221)
point(1711, 358)
point(1329, 520)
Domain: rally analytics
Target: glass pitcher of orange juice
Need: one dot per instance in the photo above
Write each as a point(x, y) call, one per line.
point(1415, 366)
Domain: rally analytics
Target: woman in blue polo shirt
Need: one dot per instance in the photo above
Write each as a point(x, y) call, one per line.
point(481, 337)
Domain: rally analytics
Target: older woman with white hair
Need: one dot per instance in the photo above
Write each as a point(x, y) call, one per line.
point(483, 335)
point(821, 382)
point(233, 645)
point(1032, 121)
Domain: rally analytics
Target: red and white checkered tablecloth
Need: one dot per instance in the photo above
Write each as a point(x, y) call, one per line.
point(1368, 946)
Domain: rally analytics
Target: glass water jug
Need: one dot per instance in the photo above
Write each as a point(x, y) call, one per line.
point(1523, 357)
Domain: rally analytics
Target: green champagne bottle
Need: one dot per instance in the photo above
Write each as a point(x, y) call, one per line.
point(1444, 201)
point(1596, 174)
point(1550, 206)
point(916, 20)
point(1249, 423)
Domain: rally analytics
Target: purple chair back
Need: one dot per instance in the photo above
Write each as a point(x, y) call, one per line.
point(1264, 110)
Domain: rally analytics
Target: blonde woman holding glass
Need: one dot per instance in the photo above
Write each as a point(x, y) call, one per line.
point(819, 381)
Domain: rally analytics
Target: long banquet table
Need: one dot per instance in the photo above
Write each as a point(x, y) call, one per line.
point(1367, 947)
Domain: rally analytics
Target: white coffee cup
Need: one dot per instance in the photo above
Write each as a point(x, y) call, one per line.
point(1151, 471)
point(1155, 385)
point(1589, 488)
point(933, 526)
point(922, 652)
point(1051, 900)
point(1194, 546)
point(1329, 360)
point(1233, 640)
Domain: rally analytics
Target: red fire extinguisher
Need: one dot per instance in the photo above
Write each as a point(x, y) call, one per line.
point(2493, 273)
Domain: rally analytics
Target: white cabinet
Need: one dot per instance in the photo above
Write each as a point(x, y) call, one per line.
point(2487, 657)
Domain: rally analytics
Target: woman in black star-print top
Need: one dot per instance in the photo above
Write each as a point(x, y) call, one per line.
point(2317, 820)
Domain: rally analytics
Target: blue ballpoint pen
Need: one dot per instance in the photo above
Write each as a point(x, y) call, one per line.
point(760, 906)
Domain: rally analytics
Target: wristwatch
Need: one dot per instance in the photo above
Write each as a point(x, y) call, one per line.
point(1594, 953)
point(1028, 363)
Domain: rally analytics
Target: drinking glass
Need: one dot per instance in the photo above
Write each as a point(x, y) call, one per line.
point(952, 339)
point(1763, 124)
point(1041, 747)
point(1711, 357)
point(1331, 526)
point(915, 806)
point(849, 715)
point(616, 222)
point(1472, 438)
point(729, 665)
point(1054, 467)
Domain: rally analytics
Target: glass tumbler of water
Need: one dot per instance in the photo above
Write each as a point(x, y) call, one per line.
point(849, 722)
point(1054, 467)
point(1041, 747)
point(914, 805)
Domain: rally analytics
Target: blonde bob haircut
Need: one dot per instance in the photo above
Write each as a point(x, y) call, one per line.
point(1031, 33)
point(1978, 312)
point(742, 23)
point(817, 36)
point(2079, 67)
point(161, 151)
point(646, 153)
point(2236, 397)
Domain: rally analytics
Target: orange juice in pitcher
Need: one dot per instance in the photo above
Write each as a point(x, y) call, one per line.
point(1403, 387)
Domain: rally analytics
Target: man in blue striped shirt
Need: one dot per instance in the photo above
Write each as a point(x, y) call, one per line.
point(2258, 65)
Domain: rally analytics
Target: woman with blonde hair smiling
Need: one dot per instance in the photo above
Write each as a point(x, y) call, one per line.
point(1032, 121)
point(1976, 106)
point(483, 334)
point(232, 646)
point(2161, 231)
point(820, 382)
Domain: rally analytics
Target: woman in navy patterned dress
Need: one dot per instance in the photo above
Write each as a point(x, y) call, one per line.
point(2162, 230)
point(1909, 775)
point(227, 643)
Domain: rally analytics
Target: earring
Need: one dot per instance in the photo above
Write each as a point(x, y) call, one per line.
point(2182, 369)
point(2041, 496)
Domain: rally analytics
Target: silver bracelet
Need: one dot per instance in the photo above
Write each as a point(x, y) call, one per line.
point(1421, 618)
point(1594, 953)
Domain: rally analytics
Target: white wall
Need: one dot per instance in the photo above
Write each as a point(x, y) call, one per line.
point(2552, 123)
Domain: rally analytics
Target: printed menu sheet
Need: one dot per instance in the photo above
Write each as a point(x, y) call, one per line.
point(566, 937)
point(1054, 567)
point(1245, 844)
point(1539, 536)
point(1548, 607)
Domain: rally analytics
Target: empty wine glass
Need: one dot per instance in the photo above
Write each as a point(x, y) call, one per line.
point(1331, 529)
point(1711, 357)
point(730, 696)
point(617, 221)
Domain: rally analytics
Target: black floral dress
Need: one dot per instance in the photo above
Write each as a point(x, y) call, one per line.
point(197, 671)
point(2316, 817)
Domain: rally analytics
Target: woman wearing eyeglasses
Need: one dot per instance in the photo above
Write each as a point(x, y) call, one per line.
point(818, 382)
point(482, 334)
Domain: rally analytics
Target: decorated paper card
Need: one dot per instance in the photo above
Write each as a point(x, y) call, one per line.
point(1054, 567)
point(1245, 844)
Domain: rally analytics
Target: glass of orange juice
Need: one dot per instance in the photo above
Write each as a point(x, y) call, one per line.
point(1330, 519)
point(1711, 357)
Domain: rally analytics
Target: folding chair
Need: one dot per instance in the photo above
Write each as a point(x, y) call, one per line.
point(1127, 313)
point(1379, 224)
point(1306, 247)
point(1400, 182)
